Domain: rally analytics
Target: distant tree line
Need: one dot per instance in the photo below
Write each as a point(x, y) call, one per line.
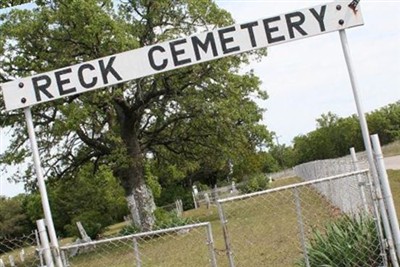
point(334, 136)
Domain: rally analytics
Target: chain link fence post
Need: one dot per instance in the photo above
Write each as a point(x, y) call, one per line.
point(301, 225)
point(137, 253)
point(361, 182)
point(210, 242)
point(226, 234)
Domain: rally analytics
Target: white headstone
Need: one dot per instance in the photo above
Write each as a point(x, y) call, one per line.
point(83, 233)
point(207, 198)
point(195, 190)
point(11, 259)
point(22, 255)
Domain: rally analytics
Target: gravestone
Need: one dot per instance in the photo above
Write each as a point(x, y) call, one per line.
point(85, 239)
point(12, 261)
point(83, 233)
point(22, 255)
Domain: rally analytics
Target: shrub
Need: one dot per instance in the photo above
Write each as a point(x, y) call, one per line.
point(257, 182)
point(164, 219)
point(173, 192)
point(129, 229)
point(348, 241)
point(167, 219)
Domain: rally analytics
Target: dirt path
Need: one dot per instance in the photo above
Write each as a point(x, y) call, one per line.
point(392, 163)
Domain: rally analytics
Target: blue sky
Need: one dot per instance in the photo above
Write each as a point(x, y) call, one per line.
point(307, 78)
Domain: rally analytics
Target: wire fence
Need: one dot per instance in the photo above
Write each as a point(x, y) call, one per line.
point(20, 251)
point(276, 227)
point(330, 217)
point(342, 192)
point(190, 245)
point(282, 226)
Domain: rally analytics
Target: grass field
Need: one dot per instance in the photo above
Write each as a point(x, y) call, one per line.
point(263, 230)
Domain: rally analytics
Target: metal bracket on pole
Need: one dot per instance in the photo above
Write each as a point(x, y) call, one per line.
point(42, 187)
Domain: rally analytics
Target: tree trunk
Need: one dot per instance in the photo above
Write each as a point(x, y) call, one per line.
point(141, 206)
point(139, 199)
point(131, 171)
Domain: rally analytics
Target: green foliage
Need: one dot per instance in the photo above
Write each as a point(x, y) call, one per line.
point(334, 136)
point(92, 197)
point(201, 187)
point(172, 173)
point(164, 219)
point(256, 182)
point(173, 192)
point(11, 3)
point(348, 241)
point(167, 219)
point(92, 221)
point(386, 123)
point(193, 118)
point(129, 230)
point(95, 198)
point(13, 223)
point(13, 219)
point(271, 162)
point(34, 210)
point(152, 180)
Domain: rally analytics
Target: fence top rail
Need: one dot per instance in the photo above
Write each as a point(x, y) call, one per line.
point(335, 177)
point(138, 235)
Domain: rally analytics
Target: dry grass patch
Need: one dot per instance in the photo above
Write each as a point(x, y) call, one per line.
point(392, 149)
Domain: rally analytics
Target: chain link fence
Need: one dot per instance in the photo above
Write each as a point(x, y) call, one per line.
point(330, 218)
point(20, 251)
point(295, 224)
point(190, 245)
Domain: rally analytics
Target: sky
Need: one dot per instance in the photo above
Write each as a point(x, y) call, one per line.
point(309, 77)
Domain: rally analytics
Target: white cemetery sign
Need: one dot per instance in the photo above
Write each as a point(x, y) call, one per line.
point(149, 60)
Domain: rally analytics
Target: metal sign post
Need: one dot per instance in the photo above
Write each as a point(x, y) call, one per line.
point(368, 146)
point(42, 187)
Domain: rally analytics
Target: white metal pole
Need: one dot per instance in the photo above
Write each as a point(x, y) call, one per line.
point(387, 192)
point(361, 182)
point(367, 142)
point(42, 187)
point(210, 242)
point(360, 110)
point(44, 243)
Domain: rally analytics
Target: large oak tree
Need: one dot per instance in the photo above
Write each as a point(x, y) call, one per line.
point(205, 112)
